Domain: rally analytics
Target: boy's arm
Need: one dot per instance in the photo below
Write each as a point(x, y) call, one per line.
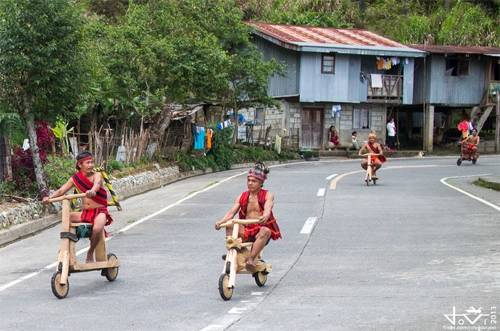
point(362, 149)
point(268, 206)
point(380, 149)
point(230, 214)
point(98, 181)
point(60, 191)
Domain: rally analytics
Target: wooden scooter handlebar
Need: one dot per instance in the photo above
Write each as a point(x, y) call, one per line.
point(237, 221)
point(68, 197)
point(369, 154)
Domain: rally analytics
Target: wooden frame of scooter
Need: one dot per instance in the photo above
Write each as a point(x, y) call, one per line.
point(66, 261)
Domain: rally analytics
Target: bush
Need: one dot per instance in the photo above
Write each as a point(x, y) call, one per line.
point(59, 171)
point(115, 165)
point(23, 169)
point(222, 149)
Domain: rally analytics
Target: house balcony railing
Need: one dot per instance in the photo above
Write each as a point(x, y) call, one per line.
point(385, 88)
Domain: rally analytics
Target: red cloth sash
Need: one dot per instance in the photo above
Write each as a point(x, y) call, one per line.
point(84, 184)
point(89, 216)
point(252, 229)
point(376, 151)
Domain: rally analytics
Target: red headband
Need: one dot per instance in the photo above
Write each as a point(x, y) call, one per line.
point(85, 159)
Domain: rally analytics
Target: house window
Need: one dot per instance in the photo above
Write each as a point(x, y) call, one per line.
point(328, 64)
point(495, 70)
point(259, 116)
point(457, 67)
point(361, 119)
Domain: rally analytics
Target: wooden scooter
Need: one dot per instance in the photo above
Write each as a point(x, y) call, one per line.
point(66, 261)
point(369, 169)
point(237, 254)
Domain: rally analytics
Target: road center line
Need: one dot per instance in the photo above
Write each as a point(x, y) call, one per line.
point(308, 226)
point(321, 192)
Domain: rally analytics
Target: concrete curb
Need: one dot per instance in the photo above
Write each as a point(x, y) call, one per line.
point(490, 182)
point(27, 229)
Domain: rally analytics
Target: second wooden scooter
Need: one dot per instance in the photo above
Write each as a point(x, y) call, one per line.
point(108, 264)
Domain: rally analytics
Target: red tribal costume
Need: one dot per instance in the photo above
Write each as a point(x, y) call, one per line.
point(251, 230)
point(83, 184)
point(381, 158)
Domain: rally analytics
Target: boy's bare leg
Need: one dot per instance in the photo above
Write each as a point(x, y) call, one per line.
point(259, 244)
point(376, 166)
point(96, 236)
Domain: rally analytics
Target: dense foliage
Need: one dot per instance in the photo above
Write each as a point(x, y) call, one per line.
point(441, 22)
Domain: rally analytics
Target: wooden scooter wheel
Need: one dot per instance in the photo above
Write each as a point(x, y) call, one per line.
point(225, 292)
point(111, 273)
point(59, 290)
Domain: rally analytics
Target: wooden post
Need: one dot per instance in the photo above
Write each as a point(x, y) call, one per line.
point(429, 128)
point(497, 128)
point(64, 253)
point(100, 250)
point(234, 259)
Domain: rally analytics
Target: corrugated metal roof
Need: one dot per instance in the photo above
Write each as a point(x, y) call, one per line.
point(322, 39)
point(444, 49)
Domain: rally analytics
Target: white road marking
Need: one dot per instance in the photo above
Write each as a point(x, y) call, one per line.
point(213, 328)
point(331, 176)
point(321, 192)
point(443, 180)
point(236, 310)
point(307, 228)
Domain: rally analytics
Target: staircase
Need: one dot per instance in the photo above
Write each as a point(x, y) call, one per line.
point(479, 114)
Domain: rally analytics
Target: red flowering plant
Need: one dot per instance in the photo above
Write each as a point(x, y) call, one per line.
point(23, 169)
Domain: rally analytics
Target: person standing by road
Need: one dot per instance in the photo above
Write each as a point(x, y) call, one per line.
point(391, 133)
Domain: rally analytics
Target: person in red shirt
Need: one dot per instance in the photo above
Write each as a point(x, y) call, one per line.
point(256, 203)
point(94, 205)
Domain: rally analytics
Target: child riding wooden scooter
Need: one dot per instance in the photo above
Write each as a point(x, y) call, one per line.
point(468, 148)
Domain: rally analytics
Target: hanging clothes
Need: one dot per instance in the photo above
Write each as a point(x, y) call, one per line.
point(380, 64)
point(209, 138)
point(199, 142)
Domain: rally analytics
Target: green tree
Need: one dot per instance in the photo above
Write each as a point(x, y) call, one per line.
point(164, 52)
point(467, 25)
point(42, 63)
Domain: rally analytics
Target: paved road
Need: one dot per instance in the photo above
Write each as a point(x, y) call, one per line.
point(401, 255)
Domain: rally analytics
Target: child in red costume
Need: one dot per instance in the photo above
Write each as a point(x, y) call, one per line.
point(255, 203)
point(94, 205)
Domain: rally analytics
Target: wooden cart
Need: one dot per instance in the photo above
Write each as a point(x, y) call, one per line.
point(237, 254)
point(66, 262)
